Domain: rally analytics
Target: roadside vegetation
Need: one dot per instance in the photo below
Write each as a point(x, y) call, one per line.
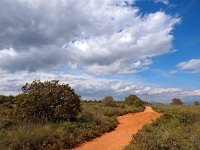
point(177, 129)
point(49, 115)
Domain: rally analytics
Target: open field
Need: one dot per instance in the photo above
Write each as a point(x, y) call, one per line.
point(94, 120)
point(128, 124)
point(177, 129)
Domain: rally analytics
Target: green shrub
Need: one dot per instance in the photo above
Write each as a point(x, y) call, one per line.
point(31, 137)
point(187, 118)
point(196, 103)
point(5, 120)
point(109, 101)
point(7, 99)
point(134, 100)
point(94, 120)
point(148, 139)
point(47, 101)
point(176, 101)
point(177, 129)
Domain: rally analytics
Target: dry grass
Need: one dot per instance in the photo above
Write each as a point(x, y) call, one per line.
point(94, 120)
point(177, 129)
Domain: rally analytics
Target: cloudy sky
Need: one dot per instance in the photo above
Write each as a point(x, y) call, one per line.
point(103, 47)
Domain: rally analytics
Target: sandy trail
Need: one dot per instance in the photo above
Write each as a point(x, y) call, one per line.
point(128, 125)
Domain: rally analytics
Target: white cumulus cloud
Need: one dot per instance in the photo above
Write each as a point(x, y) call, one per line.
point(192, 66)
point(166, 2)
point(91, 87)
point(94, 36)
point(104, 37)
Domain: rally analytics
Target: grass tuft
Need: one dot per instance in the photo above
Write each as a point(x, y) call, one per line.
point(177, 129)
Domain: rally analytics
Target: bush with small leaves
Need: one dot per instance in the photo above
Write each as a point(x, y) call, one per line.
point(109, 101)
point(176, 101)
point(7, 99)
point(47, 101)
point(134, 100)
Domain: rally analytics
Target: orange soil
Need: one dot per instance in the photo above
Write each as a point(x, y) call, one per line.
point(128, 125)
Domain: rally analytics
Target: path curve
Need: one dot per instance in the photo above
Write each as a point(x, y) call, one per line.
point(128, 125)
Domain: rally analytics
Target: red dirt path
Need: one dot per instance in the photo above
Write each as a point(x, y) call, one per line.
point(128, 125)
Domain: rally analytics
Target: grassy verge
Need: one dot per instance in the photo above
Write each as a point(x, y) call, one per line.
point(94, 120)
point(177, 129)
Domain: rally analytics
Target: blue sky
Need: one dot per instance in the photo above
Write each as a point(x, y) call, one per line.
point(112, 47)
point(186, 42)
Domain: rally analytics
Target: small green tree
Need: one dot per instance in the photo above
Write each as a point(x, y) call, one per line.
point(47, 101)
point(109, 101)
point(134, 100)
point(196, 103)
point(176, 101)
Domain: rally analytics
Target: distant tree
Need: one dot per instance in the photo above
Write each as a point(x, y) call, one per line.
point(176, 101)
point(2, 99)
point(7, 99)
point(134, 100)
point(109, 101)
point(47, 101)
point(196, 103)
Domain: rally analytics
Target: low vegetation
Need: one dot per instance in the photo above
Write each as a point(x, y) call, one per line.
point(134, 100)
point(49, 115)
point(176, 101)
point(46, 102)
point(109, 101)
point(7, 99)
point(196, 103)
point(32, 122)
point(177, 129)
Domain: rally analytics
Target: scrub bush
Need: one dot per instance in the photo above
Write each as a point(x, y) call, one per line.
point(47, 101)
